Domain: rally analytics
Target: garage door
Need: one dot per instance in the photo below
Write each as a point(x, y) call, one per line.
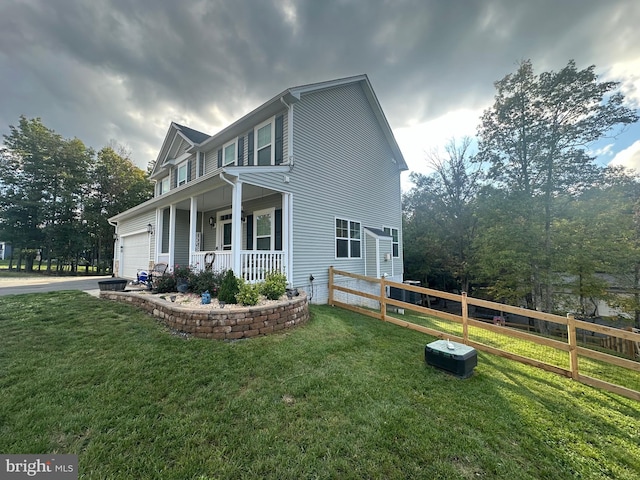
point(135, 254)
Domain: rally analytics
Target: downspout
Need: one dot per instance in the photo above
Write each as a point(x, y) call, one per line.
point(289, 198)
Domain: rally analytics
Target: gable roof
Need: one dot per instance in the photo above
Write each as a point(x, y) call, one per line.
point(194, 135)
point(294, 94)
point(200, 141)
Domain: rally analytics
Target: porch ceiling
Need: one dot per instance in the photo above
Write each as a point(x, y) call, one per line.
point(220, 197)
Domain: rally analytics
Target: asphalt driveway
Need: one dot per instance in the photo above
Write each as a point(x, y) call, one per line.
point(38, 284)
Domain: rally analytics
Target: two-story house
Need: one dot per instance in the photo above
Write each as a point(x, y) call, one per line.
point(309, 179)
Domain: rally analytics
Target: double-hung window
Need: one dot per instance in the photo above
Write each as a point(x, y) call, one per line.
point(229, 154)
point(348, 238)
point(264, 143)
point(164, 185)
point(395, 234)
point(182, 174)
point(264, 229)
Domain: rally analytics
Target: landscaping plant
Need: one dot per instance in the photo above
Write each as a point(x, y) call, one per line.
point(248, 293)
point(274, 285)
point(228, 288)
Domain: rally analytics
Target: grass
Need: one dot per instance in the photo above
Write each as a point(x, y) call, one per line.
point(344, 396)
point(552, 356)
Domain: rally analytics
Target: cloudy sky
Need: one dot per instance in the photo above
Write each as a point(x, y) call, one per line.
point(122, 70)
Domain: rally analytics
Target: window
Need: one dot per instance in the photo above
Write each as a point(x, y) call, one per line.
point(264, 143)
point(229, 154)
point(164, 185)
point(182, 174)
point(395, 234)
point(347, 239)
point(263, 228)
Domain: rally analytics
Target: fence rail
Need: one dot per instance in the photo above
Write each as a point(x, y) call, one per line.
point(571, 359)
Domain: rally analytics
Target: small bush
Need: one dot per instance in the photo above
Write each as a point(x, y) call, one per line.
point(228, 288)
point(275, 285)
point(248, 294)
point(203, 281)
point(165, 283)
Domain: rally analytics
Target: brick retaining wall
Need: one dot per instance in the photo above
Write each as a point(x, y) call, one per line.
point(220, 324)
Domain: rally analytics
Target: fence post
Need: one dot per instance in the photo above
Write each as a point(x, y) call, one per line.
point(465, 318)
point(331, 286)
point(573, 344)
point(383, 299)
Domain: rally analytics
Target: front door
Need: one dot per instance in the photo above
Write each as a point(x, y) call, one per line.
point(224, 230)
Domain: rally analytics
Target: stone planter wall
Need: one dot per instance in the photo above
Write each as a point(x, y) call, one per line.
point(220, 324)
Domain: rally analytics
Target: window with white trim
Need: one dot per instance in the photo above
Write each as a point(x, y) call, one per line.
point(395, 234)
point(263, 229)
point(265, 152)
point(182, 174)
point(229, 154)
point(348, 238)
point(163, 186)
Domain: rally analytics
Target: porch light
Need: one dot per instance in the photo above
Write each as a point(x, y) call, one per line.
point(150, 229)
point(243, 217)
point(212, 222)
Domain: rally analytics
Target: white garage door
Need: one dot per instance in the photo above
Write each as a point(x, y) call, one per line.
point(135, 254)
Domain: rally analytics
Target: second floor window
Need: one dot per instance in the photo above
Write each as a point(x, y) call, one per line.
point(164, 185)
point(264, 144)
point(182, 174)
point(229, 154)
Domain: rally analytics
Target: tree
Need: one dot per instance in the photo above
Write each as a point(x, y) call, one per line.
point(117, 186)
point(27, 184)
point(535, 139)
point(442, 206)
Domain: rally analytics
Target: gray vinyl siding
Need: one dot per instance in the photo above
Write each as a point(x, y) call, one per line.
point(343, 169)
point(182, 238)
point(386, 266)
point(370, 254)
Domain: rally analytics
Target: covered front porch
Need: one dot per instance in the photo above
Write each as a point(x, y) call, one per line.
point(228, 225)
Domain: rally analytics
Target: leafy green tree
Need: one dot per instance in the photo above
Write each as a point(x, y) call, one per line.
point(440, 220)
point(535, 139)
point(117, 185)
point(27, 184)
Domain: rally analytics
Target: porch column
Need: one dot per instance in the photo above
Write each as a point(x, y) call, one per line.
point(287, 235)
point(172, 236)
point(193, 221)
point(158, 235)
point(236, 227)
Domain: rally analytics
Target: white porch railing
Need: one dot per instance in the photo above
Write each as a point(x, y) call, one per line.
point(254, 264)
point(223, 260)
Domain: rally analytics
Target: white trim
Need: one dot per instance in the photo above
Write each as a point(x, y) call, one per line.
point(233, 142)
point(220, 228)
point(184, 165)
point(272, 235)
point(391, 229)
point(237, 171)
point(272, 160)
point(348, 238)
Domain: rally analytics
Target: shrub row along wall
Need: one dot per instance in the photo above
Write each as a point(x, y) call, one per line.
point(220, 324)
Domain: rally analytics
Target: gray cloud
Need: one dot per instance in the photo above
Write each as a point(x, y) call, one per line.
point(123, 69)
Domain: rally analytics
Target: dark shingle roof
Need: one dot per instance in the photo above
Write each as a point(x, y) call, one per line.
point(194, 135)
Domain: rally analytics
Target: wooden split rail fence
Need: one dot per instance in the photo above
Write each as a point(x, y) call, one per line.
point(573, 350)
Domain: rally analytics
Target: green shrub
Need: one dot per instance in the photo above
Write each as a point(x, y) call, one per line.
point(274, 286)
point(228, 288)
point(202, 281)
point(248, 294)
point(165, 283)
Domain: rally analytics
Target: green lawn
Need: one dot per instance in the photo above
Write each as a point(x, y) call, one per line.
point(345, 396)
